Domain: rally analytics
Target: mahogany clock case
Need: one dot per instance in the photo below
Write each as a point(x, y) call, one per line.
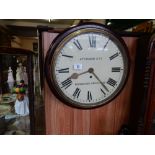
point(108, 119)
point(86, 27)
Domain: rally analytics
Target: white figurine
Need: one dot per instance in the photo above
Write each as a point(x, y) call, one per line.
point(22, 107)
point(25, 78)
point(21, 71)
point(18, 77)
point(10, 80)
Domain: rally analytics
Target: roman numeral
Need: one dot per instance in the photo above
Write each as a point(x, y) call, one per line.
point(66, 83)
point(116, 69)
point(77, 44)
point(113, 56)
point(92, 41)
point(111, 82)
point(77, 92)
point(89, 96)
point(106, 44)
point(68, 56)
point(103, 91)
point(64, 70)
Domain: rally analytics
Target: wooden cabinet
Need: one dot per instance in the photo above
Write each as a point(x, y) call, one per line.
point(18, 112)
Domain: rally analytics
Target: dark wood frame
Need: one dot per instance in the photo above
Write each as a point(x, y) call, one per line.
point(150, 95)
point(138, 101)
point(29, 54)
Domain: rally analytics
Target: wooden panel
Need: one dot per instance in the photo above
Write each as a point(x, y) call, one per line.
point(102, 119)
point(108, 119)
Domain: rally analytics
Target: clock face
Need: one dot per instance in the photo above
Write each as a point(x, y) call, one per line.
point(88, 66)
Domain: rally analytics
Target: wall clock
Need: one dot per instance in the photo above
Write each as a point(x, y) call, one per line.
point(87, 65)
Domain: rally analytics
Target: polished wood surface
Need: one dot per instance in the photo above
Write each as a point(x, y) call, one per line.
point(107, 119)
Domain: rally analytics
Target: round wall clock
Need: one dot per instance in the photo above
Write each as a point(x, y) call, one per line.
point(87, 65)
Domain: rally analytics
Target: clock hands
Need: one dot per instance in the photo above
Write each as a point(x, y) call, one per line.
point(90, 70)
point(76, 75)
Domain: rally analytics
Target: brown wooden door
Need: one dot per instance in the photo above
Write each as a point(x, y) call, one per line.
point(107, 119)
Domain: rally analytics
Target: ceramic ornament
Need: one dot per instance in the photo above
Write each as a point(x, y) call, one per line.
point(25, 77)
point(10, 80)
point(21, 71)
point(22, 107)
point(18, 75)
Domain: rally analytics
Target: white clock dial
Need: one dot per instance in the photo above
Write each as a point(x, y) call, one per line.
point(89, 68)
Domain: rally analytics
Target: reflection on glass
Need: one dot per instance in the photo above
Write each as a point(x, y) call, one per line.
point(14, 100)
